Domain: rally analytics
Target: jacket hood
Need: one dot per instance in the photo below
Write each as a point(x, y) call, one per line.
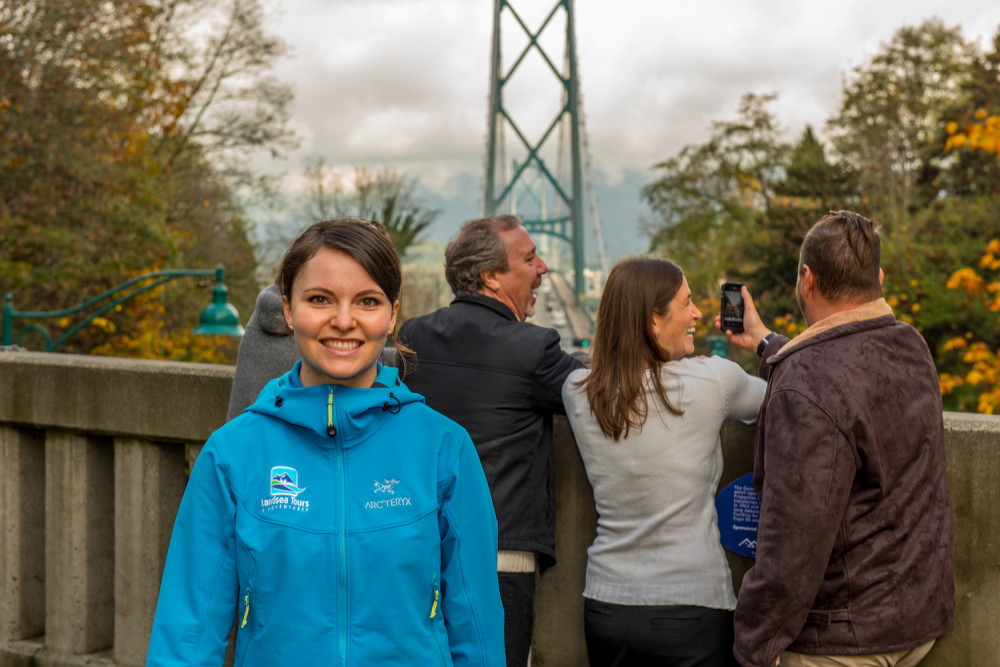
point(332, 410)
point(270, 313)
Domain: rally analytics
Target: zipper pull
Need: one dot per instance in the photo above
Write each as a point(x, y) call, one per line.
point(246, 609)
point(437, 596)
point(331, 430)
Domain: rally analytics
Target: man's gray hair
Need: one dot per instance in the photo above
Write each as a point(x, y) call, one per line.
point(477, 247)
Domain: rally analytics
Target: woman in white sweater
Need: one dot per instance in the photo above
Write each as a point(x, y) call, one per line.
point(647, 421)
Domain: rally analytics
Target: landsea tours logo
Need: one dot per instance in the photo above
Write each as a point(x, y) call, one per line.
point(285, 491)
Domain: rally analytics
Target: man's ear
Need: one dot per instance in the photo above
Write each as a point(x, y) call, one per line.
point(808, 279)
point(490, 280)
point(881, 276)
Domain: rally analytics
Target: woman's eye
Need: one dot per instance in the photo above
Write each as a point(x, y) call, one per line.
point(317, 298)
point(369, 302)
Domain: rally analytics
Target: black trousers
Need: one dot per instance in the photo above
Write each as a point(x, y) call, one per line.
point(517, 592)
point(674, 636)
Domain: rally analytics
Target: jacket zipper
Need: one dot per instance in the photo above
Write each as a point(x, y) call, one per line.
point(341, 536)
point(434, 609)
point(331, 427)
point(246, 609)
point(243, 624)
point(437, 598)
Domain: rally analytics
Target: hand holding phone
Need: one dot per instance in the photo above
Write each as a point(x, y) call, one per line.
point(731, 318)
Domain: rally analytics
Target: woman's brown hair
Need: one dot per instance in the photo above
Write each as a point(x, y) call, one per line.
point(367, 242)
point(625, 346)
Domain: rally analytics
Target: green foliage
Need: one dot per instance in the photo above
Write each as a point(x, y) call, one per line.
point(708, 200)
point(738, 205)
point(384, 194)
point(890, 121)
point(119, 126)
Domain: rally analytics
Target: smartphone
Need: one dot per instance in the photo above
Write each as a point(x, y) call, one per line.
point(732, 307)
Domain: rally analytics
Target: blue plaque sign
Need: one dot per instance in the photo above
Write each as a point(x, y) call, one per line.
point(738, 508)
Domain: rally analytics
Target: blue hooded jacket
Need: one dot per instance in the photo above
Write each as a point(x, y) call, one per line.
point(338, 526)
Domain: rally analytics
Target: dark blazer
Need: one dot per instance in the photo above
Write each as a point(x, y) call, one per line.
point(501, 379)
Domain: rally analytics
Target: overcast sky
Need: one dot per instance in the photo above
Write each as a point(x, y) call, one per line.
point(405, 82)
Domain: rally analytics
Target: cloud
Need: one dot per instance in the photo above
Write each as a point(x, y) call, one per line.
point(405, 82)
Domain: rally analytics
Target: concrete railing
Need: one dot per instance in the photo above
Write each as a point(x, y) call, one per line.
point(93, 460)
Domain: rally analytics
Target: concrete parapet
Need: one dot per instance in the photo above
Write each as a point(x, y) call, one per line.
point(94, 456)
point(156, 400)
point(149, 483)
point(79, 542)
point(22, 527)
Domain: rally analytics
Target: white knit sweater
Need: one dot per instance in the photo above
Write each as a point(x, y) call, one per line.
point(657, 531)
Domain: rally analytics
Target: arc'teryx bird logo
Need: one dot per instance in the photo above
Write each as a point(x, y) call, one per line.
point(388, 487)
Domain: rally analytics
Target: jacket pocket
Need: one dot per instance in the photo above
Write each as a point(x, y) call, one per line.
point(435, 621)
point(244, 625)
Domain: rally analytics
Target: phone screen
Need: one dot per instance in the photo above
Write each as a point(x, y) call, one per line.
point(732, 307)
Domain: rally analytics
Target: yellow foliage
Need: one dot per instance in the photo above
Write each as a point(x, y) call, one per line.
point(976, 353)
point(967, 279)
point(981, 134)
point(107, 326)
point(989, 261)
point(949, 382)
point(957, 343)
point(788, 325)
point(989, 401)
point(956, 141)
point(983, 360)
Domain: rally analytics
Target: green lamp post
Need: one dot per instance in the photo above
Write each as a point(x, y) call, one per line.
point(218, 319)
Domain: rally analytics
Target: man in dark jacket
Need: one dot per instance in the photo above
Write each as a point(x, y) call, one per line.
point(855, 540)
point(481, 364)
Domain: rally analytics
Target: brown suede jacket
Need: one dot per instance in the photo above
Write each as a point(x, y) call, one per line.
point(855, 541)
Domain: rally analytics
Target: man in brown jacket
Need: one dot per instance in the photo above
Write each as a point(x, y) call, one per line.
point(854, 547)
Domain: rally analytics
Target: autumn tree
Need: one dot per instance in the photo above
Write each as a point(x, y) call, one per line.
point(977, 385)
point(383, 194)
point(707, 200)
point(883, 155)
point(889, 122)
point(970, 379)
point(118, 131)
point(738, 205)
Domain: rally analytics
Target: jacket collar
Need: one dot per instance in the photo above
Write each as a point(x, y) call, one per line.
point(487, 302)
point(863, 314)
point(354, 413)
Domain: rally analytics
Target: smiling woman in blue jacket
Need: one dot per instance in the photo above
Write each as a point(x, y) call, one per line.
point(339, 520)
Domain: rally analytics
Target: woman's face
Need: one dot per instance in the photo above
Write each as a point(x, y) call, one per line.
point(340, 318)
point(674, 329)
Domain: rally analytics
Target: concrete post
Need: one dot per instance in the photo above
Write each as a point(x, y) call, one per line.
point(149, 483)
point(971, 442)
point(558, 636)
point(79, 542)
point(22, 527)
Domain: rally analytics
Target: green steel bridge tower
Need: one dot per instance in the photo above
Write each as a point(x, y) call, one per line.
point(535, 114)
